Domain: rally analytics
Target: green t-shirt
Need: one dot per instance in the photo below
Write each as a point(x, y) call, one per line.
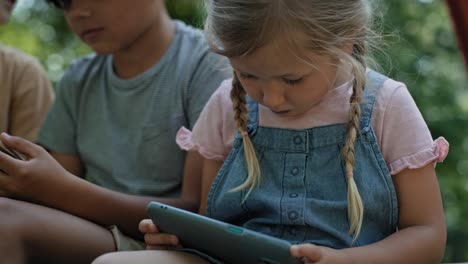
point(124, 130)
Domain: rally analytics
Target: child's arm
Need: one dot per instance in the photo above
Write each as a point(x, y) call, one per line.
point(422, 231)
point(42, 180)
point(71, 162)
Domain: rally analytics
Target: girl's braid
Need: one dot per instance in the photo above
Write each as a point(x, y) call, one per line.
point(240, 116)
point(239, 104)
point(355, 206)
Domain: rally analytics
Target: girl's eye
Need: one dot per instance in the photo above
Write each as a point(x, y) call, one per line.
point(293, 82)
point(246, 76)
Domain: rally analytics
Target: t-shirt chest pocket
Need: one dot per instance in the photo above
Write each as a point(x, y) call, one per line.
point(158, 149)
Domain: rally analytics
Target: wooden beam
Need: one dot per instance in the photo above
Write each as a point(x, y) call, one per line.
point(459, 12)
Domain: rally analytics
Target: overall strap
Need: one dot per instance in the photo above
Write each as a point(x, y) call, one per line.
point(252, 116)
point(374, 81)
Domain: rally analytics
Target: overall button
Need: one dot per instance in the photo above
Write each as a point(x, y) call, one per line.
point(295, 171)
point(293, 215)
point(293, 195)
point(297, 140)
point(292, 231)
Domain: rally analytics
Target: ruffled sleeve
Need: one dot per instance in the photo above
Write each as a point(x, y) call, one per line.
point(185, 140)
point(403, 135)
point(436, 153)
point(214, 131)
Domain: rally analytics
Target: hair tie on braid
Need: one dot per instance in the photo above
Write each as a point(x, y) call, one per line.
point(244, 134)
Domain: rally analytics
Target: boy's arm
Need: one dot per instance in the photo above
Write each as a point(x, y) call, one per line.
point(42, 180)
point(422, 232)
point(70, 162)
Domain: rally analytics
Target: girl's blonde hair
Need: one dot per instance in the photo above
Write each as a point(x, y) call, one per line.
point(235, 28)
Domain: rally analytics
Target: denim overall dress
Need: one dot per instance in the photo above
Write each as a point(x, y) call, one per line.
point(302, 195)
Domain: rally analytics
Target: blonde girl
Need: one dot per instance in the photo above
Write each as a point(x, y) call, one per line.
point(309, 145)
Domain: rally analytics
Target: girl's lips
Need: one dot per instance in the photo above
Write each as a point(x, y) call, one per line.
point(282, 112)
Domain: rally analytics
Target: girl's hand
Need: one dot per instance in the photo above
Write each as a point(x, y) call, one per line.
point(154, 239)
point(31, 179)
point(309, 253)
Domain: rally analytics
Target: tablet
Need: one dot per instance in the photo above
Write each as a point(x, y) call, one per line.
point(228, 243)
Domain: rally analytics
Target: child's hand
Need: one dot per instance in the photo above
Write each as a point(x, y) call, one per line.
point(33, 178)
point(309, 253)
point(154, 239)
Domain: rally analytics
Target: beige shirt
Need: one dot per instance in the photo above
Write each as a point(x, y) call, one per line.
point(25, 94)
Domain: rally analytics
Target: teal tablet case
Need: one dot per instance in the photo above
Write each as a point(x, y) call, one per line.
point(228, 243)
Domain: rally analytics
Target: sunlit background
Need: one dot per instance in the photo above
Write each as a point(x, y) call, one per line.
point(421, 51)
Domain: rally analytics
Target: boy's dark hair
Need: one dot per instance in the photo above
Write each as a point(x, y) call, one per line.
point(61, 4)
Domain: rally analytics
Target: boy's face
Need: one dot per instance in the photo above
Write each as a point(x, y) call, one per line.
point(109, 26)
point(6, 6)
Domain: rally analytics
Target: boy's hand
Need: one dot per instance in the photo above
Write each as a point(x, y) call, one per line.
point(154, 239)
point(309, 253)
point(30, 179)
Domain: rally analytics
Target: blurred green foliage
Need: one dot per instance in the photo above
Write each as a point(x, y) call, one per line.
point(421, 51)
point(424, 55)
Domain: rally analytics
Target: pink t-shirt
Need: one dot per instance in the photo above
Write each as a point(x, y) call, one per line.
point(402, 133)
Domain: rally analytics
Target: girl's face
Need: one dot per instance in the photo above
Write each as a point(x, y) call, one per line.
point(109, 26)
point(6, 6)
point(275, 77)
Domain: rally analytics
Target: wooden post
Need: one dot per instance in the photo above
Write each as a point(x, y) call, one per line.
point(459, 13)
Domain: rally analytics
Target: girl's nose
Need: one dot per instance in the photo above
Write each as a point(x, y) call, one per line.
point(273, 98)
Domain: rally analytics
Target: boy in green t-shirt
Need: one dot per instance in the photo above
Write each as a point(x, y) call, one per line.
point(113, 125)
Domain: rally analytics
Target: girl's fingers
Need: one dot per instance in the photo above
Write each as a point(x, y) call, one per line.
point(142, 226)
point(309, 251)
point(161, 239)
point(147, 226)
point(153, 238)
